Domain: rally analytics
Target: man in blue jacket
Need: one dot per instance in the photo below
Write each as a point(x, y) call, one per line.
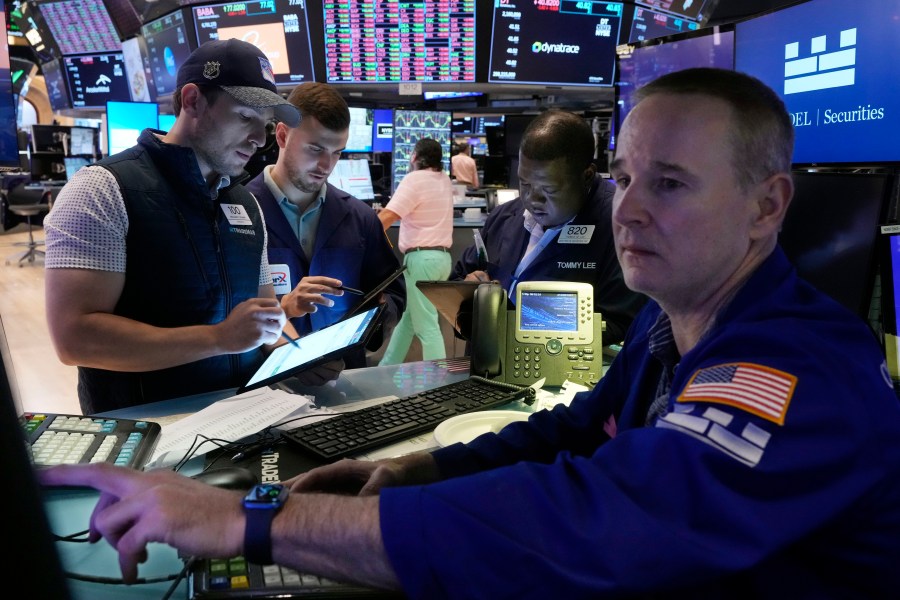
point(742, 445)
point(559, 228)
point(322, 238)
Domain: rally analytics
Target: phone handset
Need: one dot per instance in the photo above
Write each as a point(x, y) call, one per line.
point(488, 329)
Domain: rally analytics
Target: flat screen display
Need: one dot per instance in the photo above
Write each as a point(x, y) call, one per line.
point(548, 311)
point(277, 27)
point(126, 120)
point(834, 69)
point(394, 42)
point(82, 141)
point(353, 176)
point(31, 23)
point(168, 46)
point(74, 164)
point(648, 24)
point(55, 80)
point(140, 82)
point(362, 123)
point(450, 95)
point(409, 127)
point(80, 26)
point(95, 79)
point(708, 48)
point(9, 144)
point(546, 42)
point(383, 130)
point(166, 122)
point(694, 10)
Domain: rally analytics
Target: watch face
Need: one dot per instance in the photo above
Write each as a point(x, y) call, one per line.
point(266, 495)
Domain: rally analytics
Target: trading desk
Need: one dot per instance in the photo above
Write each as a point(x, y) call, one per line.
point(69, 510)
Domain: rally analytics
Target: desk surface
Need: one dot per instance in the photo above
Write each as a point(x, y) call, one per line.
point(69, 511)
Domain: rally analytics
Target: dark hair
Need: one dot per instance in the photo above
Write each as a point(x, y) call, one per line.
point(462, 146)
point(559, 134)
point(322, 101)
point(762, 142)
point(210, 92)
point(429, 154)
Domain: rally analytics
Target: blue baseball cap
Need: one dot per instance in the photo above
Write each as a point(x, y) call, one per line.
point(243, 71)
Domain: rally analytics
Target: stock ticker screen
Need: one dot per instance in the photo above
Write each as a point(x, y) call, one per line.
point(409, 127)
point(555, 42)
point(412, 41)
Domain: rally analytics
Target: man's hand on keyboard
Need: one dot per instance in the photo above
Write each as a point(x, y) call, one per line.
point(365, 478)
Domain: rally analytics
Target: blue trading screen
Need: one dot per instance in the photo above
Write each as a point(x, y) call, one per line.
point(409, 127)
point(832, 66)
point(555, 42)
point(548, 311)
point(649, 24)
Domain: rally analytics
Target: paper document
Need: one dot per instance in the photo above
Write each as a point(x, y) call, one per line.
point(230, 419)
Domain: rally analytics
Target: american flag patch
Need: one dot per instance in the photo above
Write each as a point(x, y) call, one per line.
point(759, 390)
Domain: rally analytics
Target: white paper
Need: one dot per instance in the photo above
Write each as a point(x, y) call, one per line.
point(229, 419)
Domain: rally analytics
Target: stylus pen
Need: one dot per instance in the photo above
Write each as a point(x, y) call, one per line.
point(293, 342)
point(351, 290)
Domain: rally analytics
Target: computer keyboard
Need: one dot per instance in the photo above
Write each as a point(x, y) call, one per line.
point(351, 433)
point(222, 579)
point(69, 439)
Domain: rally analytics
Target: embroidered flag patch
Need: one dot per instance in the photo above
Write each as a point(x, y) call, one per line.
point(759, 390)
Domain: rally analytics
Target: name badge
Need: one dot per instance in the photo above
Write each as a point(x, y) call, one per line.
point(236, 214)
point(281, 279)
point(576, 234)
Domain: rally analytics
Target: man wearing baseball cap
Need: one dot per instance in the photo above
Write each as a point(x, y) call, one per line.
point(157, 281)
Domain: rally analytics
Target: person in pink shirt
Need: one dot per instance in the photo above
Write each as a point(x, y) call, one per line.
point(463, 165)
point(423, 203)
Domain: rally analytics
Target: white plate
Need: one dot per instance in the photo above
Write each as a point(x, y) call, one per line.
point(467, 427)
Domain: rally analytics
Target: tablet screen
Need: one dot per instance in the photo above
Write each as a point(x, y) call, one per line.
point(315, 348)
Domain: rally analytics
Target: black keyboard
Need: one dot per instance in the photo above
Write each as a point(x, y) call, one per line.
point(222, 579)
point(352, 433)
point(69, 439)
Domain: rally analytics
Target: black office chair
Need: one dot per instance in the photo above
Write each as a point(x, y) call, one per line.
point(29, 210)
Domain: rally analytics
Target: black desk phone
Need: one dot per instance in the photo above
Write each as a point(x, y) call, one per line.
point(552, 334)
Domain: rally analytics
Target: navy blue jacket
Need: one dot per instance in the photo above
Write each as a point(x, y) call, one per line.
point(506, 239)
point(774, 472)
point(351, 245)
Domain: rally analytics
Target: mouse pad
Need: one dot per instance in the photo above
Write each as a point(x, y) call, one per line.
point(276, 462)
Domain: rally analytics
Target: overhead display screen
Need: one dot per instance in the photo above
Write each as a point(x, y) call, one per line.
point(167, 48)
point(649, 24)
point(834, 68)
point(81, 26)
point(695, 10)
point(555, 42)
point(277, 27)
point(396, 42)
point(94, 80)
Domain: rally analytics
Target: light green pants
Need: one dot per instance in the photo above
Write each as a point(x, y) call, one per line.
point(420, 317)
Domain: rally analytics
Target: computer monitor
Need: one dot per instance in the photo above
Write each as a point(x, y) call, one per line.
point(166, 122)
point(710, 47)
point(352, 175)
point(83, 141)
point(55, 80)
point(126, 120)
point(50, 138)
point(450, 95)
point(383, 130)
point(73, 164)
point(9, 141)
point(140, 81)
point(546, 45)
point(81, 26)
point(169, 43)
point(830, 233)
point(834, 68)
point(362, 123)
point(380, 42)
point(277, 27)
point(409, 127)
point(698, 11)
point(647, 24)
point(27, 16)
point(95, 79)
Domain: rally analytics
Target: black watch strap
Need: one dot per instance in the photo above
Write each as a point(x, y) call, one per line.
point(261, 505)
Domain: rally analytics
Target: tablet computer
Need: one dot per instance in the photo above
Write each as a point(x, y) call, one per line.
point(367, 300)
point(451, 298)
point(316, 348)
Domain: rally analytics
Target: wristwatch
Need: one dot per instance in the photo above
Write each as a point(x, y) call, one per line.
point(261, 504)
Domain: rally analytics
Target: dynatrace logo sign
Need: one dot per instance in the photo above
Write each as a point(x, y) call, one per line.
point(821, 69)
point(546, 48)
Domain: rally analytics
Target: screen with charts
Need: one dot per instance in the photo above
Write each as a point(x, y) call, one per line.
point(168, 46)
point(126, 120)
point(80, 26)
point(95, 79)
point(277, 27)
point(393, 42)
point(834, 69)
point(648, 24)
point(352, 175)
point(362, 122)
point(409, 127)
point(553, 42)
